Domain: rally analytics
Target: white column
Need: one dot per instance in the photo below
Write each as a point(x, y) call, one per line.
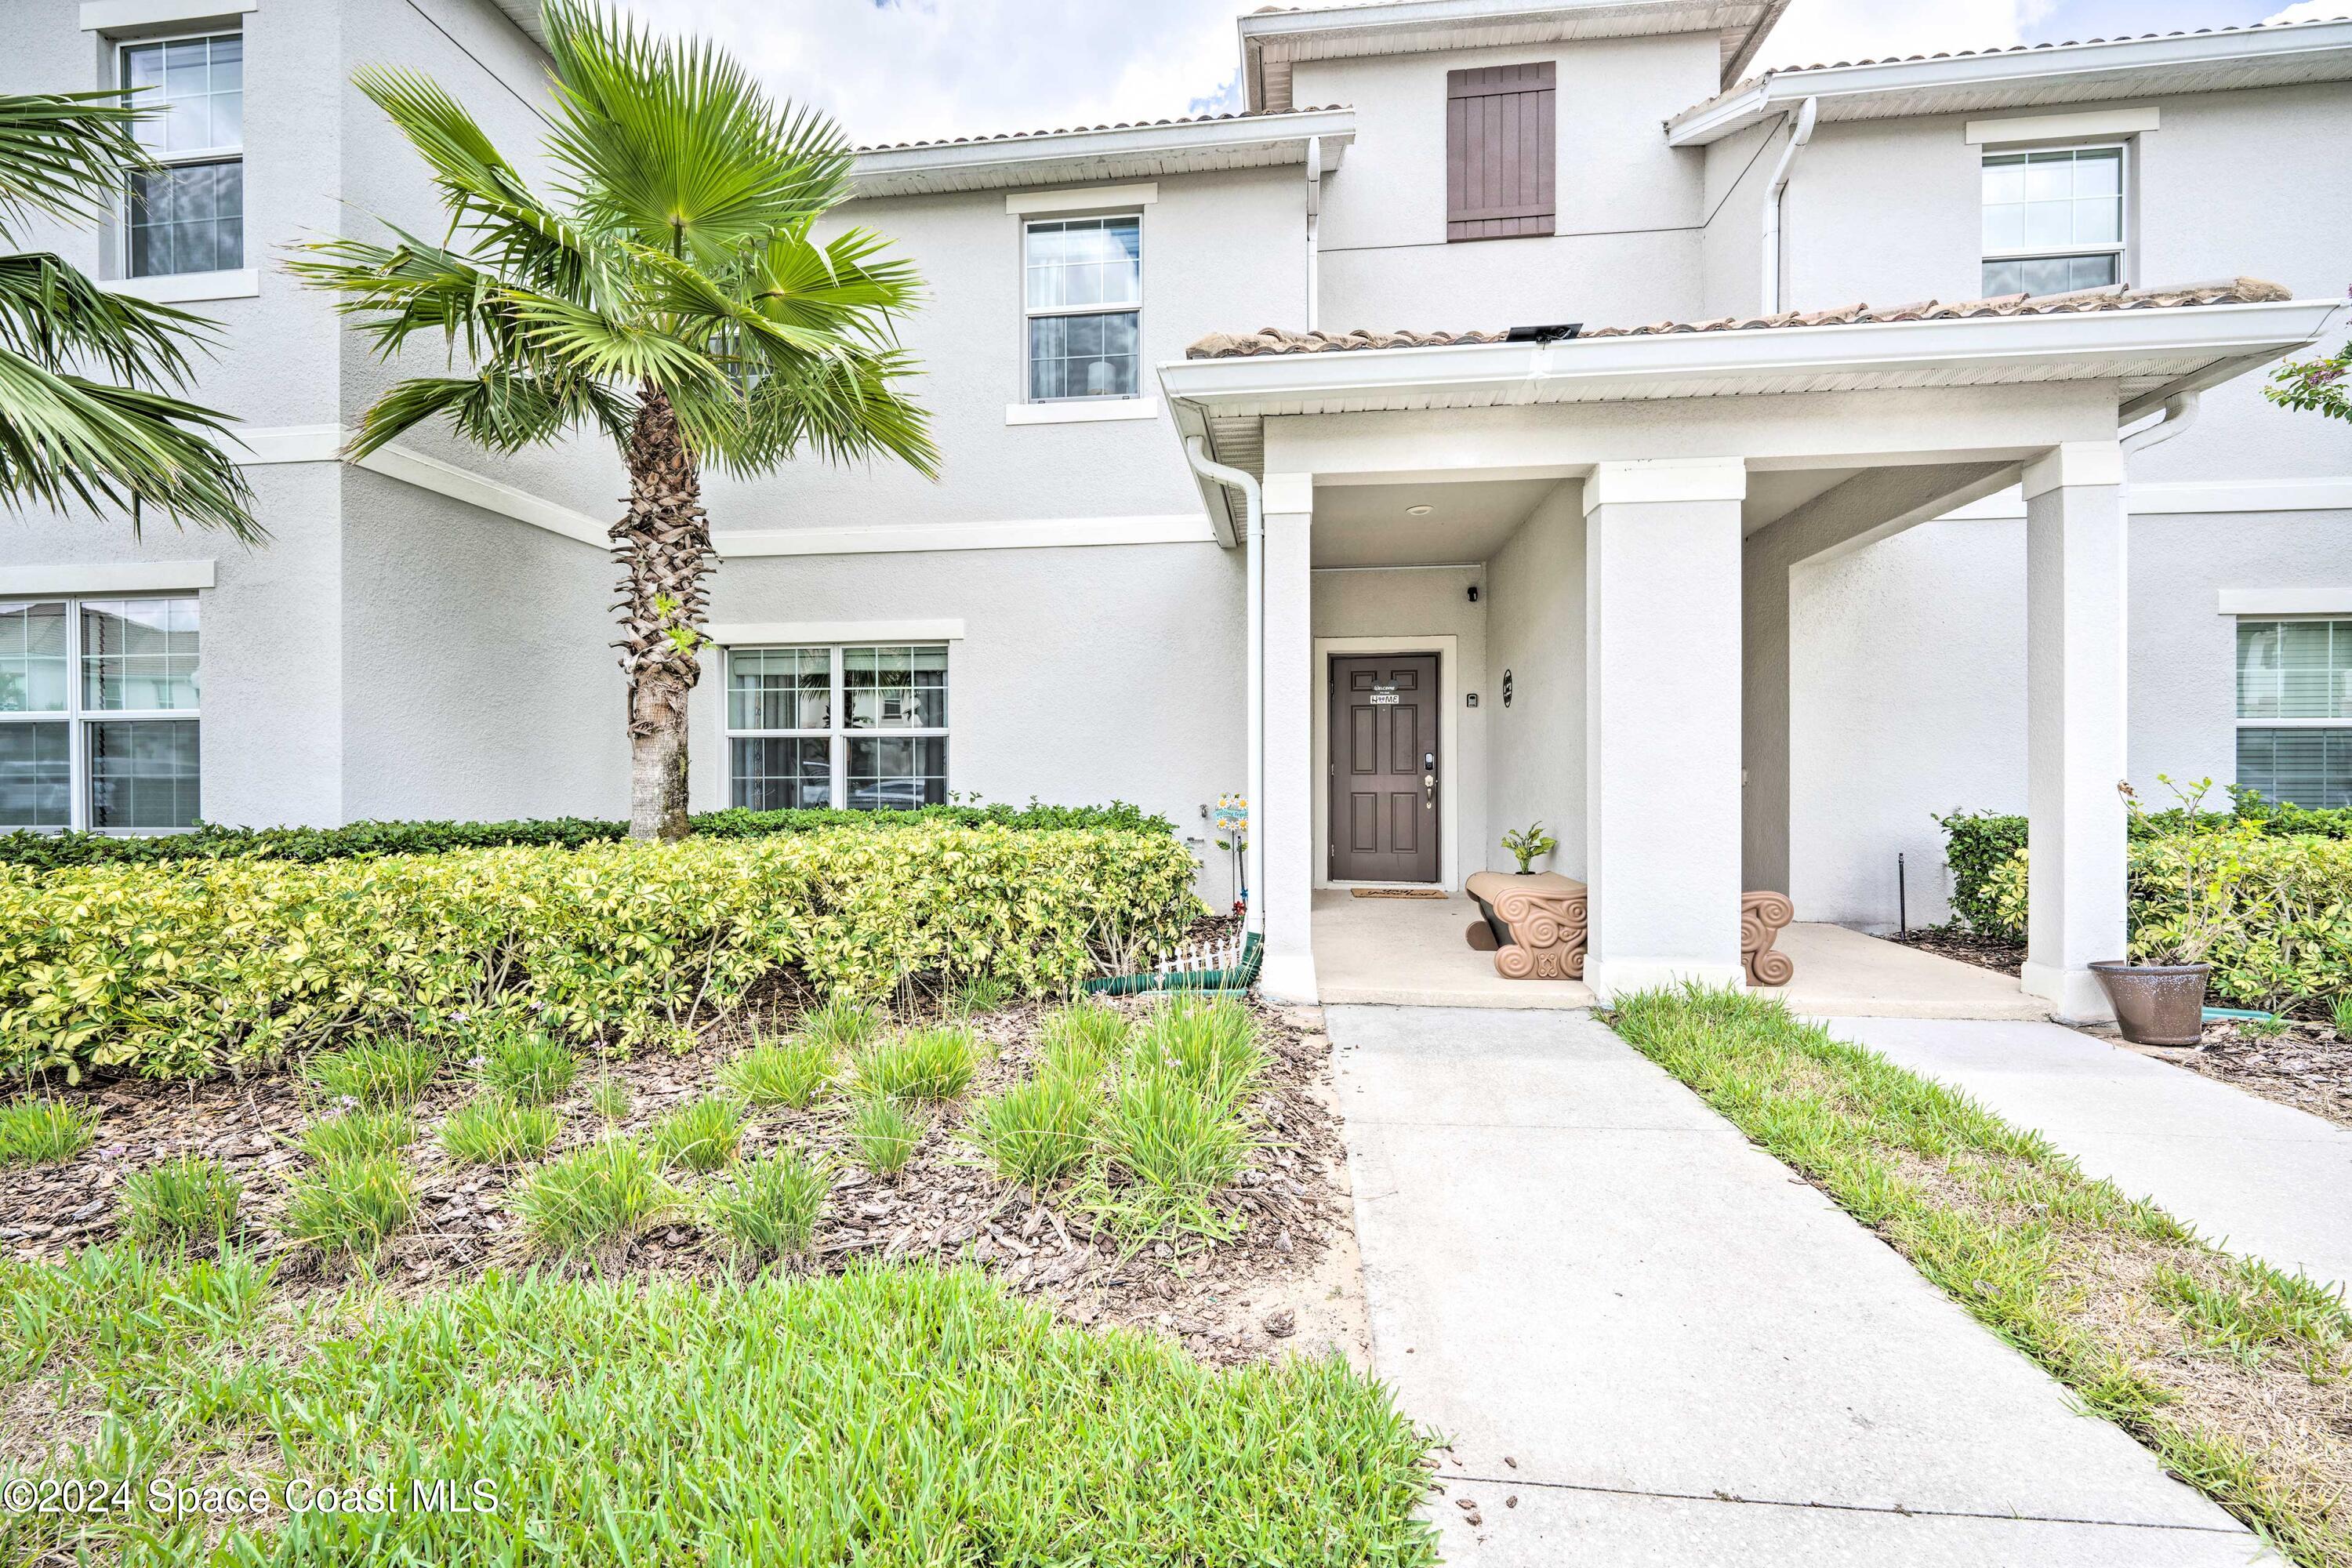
point(1661, 571)
point(2075, 597)
point(1289, 810)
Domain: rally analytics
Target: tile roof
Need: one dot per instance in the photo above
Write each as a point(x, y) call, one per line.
point(2034, 49)
point(1080, 130)
point(2225, 292)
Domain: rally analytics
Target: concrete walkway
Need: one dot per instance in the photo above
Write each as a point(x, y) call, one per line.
point(1670, 1350)
point(2250, 1174)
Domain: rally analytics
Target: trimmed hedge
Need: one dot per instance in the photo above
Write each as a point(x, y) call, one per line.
point(47, 851)
point(187, 968)
point(1979, 844)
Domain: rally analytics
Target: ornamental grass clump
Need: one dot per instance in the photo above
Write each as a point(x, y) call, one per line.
point(491, 1129)
point(39, 1132)
point(358, 1132)
point(379, 1071)
point(790, 1072)
point(1036, 1132)
point(594, 1198)
point(1169, 1145)
point(183, 1200)
point(1209, 1042)
point(529, 1067)
point(928, 1064)
point(701, 1136)
point(843, 1026)
point(882, 1134)
point(768, 1208)
point(351, 1206)
point(1083, 1040)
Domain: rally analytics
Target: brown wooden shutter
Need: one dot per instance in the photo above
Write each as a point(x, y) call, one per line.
point(1499, 149)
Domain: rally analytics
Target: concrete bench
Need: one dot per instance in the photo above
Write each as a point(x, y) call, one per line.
point(1535, 927)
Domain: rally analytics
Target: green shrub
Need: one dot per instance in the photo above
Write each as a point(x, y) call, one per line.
point(1977, 844)
point(933, 1064)
point(357, 1133)
point(594, 1197)
point(179, 969)
point(884, 1133)
point(309, 845)
point(1082, 1040)
point(39, 1132)
point(180, 1201)
point(768, 1208)
point(351, 1206)
point(1209, 1042)
point(1035, 1132)
point(1169, 1146)
point(530, 1067)
point(791, 1072)
point(701, 1135)
point(378, 1071)
point(492, 1130)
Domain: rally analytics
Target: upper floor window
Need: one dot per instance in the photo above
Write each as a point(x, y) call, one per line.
point(189, 215)
point(1083, 295)
point(97, 714)
point(1500, 147)
point(863, 727)
point(2295, 711)
point(2054, 221)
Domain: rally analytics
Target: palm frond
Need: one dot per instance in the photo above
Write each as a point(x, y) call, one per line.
point(848, 284)
point(66, 153)
point(847, 407)
point(65, 441)
point(54, 316)
point(498, 410)
point(673, 140)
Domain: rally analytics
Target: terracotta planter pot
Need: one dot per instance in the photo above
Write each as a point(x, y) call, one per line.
point(2156, 1004)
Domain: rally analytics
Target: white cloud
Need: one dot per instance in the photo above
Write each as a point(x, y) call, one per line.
point(2311, 10)
point(898, 71)
point(1823, 32)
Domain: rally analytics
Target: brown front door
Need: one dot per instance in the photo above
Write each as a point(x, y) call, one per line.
point(1384, 768)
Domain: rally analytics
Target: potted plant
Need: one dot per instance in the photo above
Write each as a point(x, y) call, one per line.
point(1527, 843)
point(2159, 997)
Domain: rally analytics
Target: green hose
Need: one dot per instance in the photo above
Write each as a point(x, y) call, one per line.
point(1237, 979)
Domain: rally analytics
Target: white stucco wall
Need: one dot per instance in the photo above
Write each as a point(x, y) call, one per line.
point(1428, 602)
point(1535, 629)
point(1731, 247)
point(1626, 246)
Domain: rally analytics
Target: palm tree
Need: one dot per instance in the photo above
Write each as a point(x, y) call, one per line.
point(89, 412)
point(672, 296)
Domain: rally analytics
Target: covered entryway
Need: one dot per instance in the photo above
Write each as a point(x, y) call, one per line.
point(1645, 677)
point(1382, 766)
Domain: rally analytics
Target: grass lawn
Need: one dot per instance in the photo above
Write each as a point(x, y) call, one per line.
point(887, 1415)
point(2239, 1377)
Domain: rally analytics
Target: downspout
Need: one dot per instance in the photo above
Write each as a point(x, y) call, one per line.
point(2179, 414)
point(1805, 117)
point(1254, 530)
point(1314, 212)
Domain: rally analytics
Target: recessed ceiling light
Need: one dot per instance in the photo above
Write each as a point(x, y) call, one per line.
point(1417, 511)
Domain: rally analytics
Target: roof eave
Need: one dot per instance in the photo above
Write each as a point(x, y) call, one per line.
point(1065, 156)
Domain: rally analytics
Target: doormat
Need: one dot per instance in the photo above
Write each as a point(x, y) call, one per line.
point(1398, 893)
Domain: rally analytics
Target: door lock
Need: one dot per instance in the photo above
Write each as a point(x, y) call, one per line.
point(1429, 781)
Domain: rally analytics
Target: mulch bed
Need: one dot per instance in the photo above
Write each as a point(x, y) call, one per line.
point(2308, 1066)
point(1286, 1281)
point(1958, 941)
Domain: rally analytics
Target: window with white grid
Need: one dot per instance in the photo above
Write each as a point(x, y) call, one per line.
point(1082, 293)
point(2295, 711)
point(863, 726)
point(188, 214)
point(2053, 220)
point(99, 720)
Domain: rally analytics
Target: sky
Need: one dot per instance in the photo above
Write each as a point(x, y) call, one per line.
point(895, 70)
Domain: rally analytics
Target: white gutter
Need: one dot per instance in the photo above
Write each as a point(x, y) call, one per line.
point(1804, 118)
point(1254, 529)
point(1086, 154)
point(1314, 212)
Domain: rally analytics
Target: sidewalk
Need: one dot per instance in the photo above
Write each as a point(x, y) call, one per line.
point(2253, 1175)
point(1670, 1350)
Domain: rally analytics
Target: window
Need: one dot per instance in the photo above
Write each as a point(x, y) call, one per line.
point(1083, 297)
point(1500, 146)
point(2053, 222)
point(864, 727)
point(98, 715)
point(189, 215)
point(2295, 711)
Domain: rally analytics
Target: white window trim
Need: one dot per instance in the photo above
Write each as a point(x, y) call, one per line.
point(840, 732)
point(2098, 124)
point(78, 716)
point(120, 15)
point(171, 288)
point(2287, 603)
point(1084, 199)
point(2237, 689)
point(1142, 262)
point(2125, 217)
point(1080, 410)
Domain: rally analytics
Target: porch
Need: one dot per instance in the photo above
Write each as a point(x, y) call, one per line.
point(1409, 951)
point(1631, 505)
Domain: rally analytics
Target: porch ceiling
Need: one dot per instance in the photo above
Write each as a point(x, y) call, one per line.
point(1374, 525)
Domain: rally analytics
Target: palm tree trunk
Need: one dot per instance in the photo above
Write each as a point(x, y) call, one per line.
point(663, 549)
